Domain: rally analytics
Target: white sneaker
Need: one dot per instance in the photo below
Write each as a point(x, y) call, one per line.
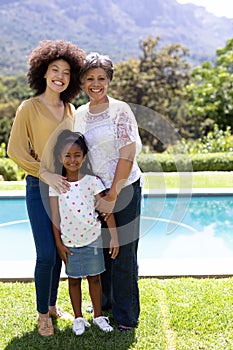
point(79, 325)
point(103, 323)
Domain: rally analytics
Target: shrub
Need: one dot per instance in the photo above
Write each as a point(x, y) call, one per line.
point(186, 162)
point(10, 171)
point(2, 150)
point(215, 141)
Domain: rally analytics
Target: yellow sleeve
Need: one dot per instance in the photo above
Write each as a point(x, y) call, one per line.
point(18, 146)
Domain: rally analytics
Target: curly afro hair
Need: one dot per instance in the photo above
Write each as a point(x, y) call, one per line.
point(49, 51)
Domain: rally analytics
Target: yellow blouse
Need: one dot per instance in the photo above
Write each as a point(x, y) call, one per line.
point(33, 126)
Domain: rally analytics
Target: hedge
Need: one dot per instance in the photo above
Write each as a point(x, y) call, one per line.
point(186, 162)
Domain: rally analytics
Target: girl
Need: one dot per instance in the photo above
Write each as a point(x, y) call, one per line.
point(54, 68)
point(77, 229)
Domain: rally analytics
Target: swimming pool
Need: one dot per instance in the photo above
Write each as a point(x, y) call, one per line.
point(179, 235)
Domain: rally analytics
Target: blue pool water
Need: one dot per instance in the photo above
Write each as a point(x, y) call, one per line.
point(198, 228)
point(15, 233)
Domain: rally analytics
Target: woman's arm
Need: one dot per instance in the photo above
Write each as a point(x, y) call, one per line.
point(123, 170)
point(114, 243)
point(18, 148)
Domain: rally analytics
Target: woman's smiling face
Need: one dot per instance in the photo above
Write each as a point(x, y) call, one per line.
point(95, 83)
point(58, 75)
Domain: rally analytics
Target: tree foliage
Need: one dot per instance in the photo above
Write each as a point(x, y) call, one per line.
point(157, 81)
point(215, 141)
point(211, 93)
point(13, 90)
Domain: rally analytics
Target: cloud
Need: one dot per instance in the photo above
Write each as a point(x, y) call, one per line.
point(217, 7)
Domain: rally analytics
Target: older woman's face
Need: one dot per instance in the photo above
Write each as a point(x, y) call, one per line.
point(95, 83)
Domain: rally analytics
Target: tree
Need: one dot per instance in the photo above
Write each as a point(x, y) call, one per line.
point(12, 91)
point(211, 93)
point(125, 84)
point(7, 113)
point(163, 75)
point(157, 81)
point(15, 88)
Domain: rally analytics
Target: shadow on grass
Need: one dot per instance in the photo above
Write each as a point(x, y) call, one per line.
point(65, 339)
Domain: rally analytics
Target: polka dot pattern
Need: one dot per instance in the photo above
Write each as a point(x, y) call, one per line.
point(79, 223)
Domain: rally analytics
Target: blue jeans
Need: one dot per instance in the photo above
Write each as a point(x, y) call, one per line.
point(120, 280)
point(48, 262)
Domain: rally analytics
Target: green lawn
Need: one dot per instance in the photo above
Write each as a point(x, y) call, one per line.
point(205, 179)
point(176, 314)
point(189, 180)
point(12, 185)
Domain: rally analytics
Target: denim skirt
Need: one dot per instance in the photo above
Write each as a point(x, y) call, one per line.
point(86, 261)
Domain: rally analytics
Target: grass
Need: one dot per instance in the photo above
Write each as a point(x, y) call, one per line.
point(223, 179)
point(176, 314)
point(12, 185)
point(204, 179)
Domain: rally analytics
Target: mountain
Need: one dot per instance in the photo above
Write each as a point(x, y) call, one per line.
point(113, 27)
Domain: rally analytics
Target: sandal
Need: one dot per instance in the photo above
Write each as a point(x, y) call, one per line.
point(45, 326)
point(125, 329)
point(59, 313)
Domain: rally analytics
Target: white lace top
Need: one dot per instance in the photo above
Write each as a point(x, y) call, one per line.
point(106, 133)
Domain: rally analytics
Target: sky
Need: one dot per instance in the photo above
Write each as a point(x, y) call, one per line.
point(217, 7)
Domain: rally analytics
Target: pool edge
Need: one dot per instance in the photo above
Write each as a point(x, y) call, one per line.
point(181, 192)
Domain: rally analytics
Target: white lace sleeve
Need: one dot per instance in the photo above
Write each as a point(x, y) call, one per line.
point(127, 128)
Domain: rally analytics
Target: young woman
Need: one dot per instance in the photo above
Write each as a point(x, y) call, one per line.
point(77, 229)
point(54, 68)
point(113, 141)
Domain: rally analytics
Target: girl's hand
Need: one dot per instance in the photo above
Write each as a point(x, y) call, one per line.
point(63, 251)
point(114, 248)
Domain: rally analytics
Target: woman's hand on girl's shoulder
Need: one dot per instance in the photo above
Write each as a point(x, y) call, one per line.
point(57, 182)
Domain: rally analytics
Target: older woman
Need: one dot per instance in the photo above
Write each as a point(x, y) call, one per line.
point(113, 141)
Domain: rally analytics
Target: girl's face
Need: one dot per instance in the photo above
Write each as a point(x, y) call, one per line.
point(95, 84)
point(58, 76)
point(72, 158)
